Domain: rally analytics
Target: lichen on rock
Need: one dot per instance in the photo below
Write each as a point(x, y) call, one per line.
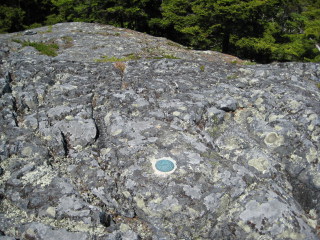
point(80, 140)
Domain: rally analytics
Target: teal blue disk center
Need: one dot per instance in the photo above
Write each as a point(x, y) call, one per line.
point(164, 165)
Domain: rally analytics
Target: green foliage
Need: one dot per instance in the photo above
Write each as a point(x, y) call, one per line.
point(18, 15)
point(258, 30)
point(34, 25)
point(49, 49)
point(53, 19)
point(11, 19)
point(217, 24)
point(133, 14)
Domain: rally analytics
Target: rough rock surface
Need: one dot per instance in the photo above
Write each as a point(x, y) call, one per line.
point(79, 140)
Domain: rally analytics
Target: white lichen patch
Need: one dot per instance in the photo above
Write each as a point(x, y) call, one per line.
point(262, 108)
point(126, 194)
point(296, 158)
point(182, 108)
point(240, 116)
point(313, 117)
point(78, 148)
point(107, 118)
point(245, 71)
point(84, 227)
point(47, 138)
point(273, 139)
point(261, 164)
point(69, 117)
point(124, 227)
point(193, 192)
point(278, 128)
point(273, 117)
point(291, 235)
point(51, 211)
point(259, 101)
point(140, 103)
point(295, 105)
point(42, 176)
point(315, 136)
point(253, 81)
point(193, 213)
point(157, 200)
point(63, 76)
point(116, 132)
point(40, 98)
point(224, 204)
point(212, 201)
point(194, 158)
point(105, 151)
point(11, 212)
point(136, 113)
point(311, 220)
point(232, 143)
point(141, 204)
point(312, 156)
point(27, 151)
point(271, 210)
point(171, 204)
point(316, 179)
point(5, 176)
point(311, 127)
point(176, 114)
point(249, 119)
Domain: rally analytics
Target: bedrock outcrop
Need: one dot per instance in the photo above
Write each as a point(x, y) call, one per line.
point(81, 133)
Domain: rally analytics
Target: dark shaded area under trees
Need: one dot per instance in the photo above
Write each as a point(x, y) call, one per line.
point(259, 30)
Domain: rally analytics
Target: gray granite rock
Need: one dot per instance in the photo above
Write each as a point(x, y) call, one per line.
point(41, 231)
point(80, 140)
point(6, 238)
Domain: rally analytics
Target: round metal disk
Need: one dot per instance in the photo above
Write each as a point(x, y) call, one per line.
point(164, 165)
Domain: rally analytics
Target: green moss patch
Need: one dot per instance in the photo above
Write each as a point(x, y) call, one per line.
point(249, 63)
point(115, 59)
point(49, 49)
point(167, 56)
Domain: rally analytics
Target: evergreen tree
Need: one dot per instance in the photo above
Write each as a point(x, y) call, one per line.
point(11, 19)
point(261, 30)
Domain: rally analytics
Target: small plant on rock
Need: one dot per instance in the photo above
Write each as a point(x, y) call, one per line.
point(121, 66)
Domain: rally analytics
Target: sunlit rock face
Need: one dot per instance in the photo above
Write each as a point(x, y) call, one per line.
point(112, 138)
